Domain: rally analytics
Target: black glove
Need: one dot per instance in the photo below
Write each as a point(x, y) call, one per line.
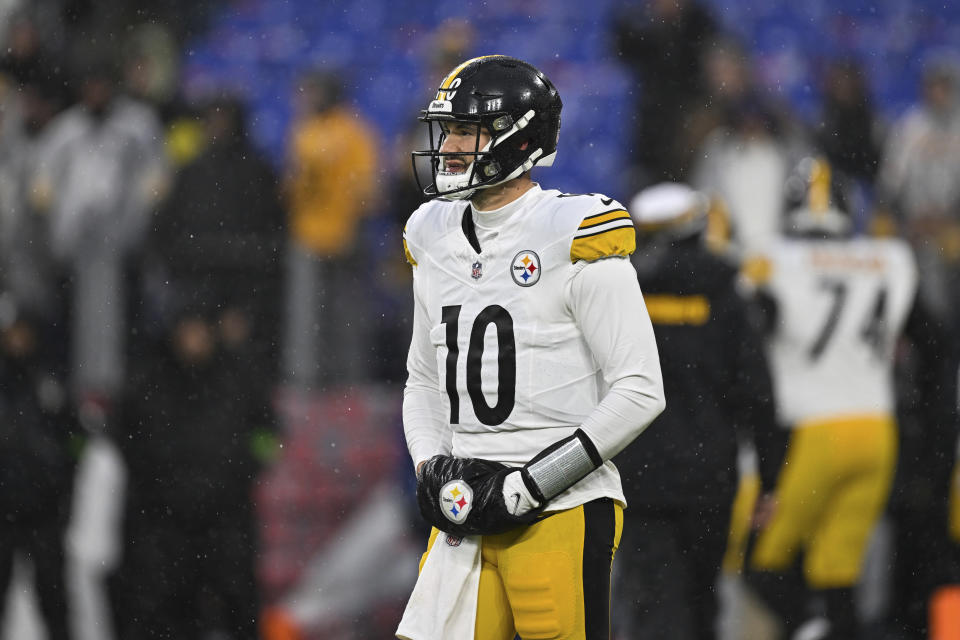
point(464, 496)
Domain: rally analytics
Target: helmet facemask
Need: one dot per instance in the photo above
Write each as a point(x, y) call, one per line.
point(455, 185)
point(504, 157)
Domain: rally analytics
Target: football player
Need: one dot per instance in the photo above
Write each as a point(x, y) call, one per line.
point(532, 362)
point(839, 305)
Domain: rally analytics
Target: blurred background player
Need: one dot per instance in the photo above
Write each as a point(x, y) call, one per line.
point(838, 305)
point(680, 478)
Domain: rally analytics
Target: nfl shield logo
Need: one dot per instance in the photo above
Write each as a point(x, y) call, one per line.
point(477, 271)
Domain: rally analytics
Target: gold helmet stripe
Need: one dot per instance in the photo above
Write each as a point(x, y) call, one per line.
point(818, 199)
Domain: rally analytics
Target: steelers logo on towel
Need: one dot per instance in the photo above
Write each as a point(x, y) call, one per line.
point(525, 269)
point(456, 500)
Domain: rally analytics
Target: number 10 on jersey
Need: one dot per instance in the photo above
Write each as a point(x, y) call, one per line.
point(506, 363)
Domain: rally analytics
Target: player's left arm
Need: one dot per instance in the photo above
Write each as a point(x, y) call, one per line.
point(604, 297)
point(606, 300)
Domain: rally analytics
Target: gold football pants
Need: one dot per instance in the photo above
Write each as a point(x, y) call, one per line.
point(551, 580)
point(832, 489)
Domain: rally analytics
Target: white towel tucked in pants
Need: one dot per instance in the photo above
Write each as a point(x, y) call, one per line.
point(443, 605)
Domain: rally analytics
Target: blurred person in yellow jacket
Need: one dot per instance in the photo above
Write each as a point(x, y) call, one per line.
point(330, 187)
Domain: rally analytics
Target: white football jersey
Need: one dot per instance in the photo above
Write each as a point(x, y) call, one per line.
point(841, 306)
point(514, 370)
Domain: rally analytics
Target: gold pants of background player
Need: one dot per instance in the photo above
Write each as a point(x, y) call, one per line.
point(832, 489)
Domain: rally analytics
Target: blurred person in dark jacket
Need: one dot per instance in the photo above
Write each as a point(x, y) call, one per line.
point(847, 130)
point(217, 239)
point(28, 56)
point(39, 439)
point(924, 509)
point(39, 444)
point(194, 422)
point(680, 480)
point(662, 42)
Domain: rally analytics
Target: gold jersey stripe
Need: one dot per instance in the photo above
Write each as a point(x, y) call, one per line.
point(678, 310)
point(406, 252)
point(848, 421)
point(600, 218)
point(621, 241)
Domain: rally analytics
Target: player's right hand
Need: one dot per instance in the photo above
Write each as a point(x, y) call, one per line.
point(466, 496)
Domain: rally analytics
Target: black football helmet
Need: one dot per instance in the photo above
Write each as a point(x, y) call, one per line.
point(510, 99)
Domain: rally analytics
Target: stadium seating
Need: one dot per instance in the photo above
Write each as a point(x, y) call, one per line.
point(257, 46)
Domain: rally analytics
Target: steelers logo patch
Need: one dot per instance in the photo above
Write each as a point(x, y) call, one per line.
point(525, 269)
point(456, 500)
